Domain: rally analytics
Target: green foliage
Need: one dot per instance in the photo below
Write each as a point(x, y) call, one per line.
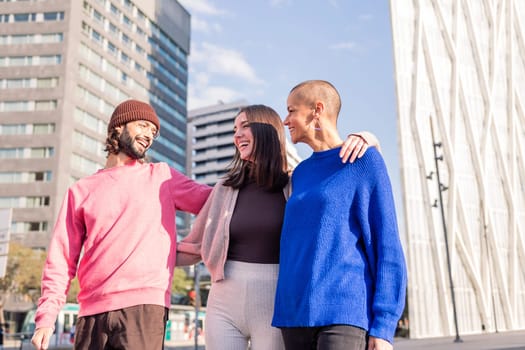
point(181, 282)
point(74, 288)
point(24, 271)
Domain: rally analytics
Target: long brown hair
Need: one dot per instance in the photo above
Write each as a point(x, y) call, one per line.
point(269, 166)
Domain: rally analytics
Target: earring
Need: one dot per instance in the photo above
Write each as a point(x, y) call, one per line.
point(317, 126)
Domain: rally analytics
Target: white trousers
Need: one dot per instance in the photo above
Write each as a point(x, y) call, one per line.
point(240, 309)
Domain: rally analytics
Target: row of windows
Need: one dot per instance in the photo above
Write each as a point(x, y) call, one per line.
point(219, 123)
point(24, 202)
point(214, 148)
point(94, 101)
point(210, 173)
point(14, 61)
point(84, 165)
point(126, 60)
point(112, 70)
point(141, 19)
point(29, 83)
point(87, 143)
point(221, 160)
point(31, 226)
point(28, 106)
point(125, 40)
point(31, 17)
point(19, 39)
point(27, 129)
point(228, 134)
point(26, 152)
point(90, 121)
point(13, 177)
point(100, 84)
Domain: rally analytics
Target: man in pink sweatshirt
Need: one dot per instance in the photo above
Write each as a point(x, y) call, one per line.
point(116, 232)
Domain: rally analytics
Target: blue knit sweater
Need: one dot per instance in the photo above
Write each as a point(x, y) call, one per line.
point(341, 257)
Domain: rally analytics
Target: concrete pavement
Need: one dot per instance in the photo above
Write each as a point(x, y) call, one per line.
point(490, 341)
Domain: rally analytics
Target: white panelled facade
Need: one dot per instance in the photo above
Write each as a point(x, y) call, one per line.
point(460, 72)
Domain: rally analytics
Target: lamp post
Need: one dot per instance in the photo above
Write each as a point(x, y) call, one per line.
point(441, 189)
point(196, 281)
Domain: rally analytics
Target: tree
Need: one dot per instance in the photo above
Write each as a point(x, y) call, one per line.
point(181, 282)
point(24, 270)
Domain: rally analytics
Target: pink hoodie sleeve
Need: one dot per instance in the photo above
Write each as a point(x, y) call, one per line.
point(189, 195)
point(61, 264)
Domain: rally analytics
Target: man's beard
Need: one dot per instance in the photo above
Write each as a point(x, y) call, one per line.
point(126, 145)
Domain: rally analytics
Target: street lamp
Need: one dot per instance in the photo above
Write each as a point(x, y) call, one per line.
point(442, 188)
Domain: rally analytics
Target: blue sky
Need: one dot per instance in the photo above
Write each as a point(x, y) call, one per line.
point(259, 49)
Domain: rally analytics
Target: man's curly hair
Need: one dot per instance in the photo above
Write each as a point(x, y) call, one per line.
point(112, 142)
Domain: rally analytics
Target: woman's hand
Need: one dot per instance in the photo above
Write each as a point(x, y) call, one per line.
point(378, 344)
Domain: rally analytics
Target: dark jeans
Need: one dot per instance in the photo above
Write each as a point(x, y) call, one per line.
point(334, 337)
point(133, 328)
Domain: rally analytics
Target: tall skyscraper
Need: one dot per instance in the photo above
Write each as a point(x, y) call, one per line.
point(64, 66)
point(210, 141)
point(460, 78)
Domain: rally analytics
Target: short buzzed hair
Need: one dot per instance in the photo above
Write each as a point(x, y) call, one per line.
point(311, 90)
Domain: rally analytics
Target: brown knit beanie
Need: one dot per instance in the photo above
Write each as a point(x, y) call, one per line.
point(132, 110)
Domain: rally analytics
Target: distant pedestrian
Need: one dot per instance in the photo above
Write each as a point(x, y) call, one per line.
point(1, 336)
point(72, 334)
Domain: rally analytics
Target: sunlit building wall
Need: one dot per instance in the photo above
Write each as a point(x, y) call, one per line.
point(64, 66)
point(460, 70)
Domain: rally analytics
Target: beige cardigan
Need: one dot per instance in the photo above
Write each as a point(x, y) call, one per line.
point(209, 237)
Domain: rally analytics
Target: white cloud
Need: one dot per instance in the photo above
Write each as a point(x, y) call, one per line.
point(280, 3)
point(204, 26)
point(348, 45)
point(202, 96)
point(222, 61)
point(334, 3)
point(203, 7)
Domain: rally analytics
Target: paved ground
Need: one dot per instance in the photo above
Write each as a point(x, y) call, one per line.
point(493, 341)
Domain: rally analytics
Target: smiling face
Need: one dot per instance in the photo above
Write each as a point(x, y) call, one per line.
point(299, 119)
point(243, 137)
point(136, 138)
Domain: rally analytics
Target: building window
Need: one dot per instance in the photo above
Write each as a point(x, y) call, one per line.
point(46, 82)
point(37, 202)
point(50, 60)
point(23, 227)
point(43, 129)
point(53, 16)
point(45, 105)
point(15, 106)
point(41, 152)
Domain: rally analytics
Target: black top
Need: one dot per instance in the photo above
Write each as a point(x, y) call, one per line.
point(255, 227)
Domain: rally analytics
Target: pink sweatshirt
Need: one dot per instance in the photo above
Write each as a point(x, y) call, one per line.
point(122, 220)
